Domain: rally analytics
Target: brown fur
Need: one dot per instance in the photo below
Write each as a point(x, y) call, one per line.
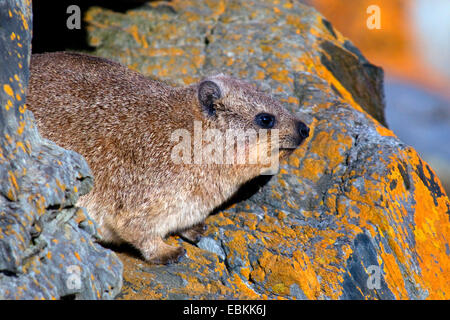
point(121, 122)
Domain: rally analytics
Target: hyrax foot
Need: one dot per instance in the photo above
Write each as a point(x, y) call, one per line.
point(169, 257)
point(158, 252)
point(195, 233)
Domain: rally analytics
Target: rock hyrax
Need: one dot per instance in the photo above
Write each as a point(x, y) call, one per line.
point(123, 124)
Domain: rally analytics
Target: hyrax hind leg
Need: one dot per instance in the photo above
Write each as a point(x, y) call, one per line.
point(151, 245)
point(155, 250)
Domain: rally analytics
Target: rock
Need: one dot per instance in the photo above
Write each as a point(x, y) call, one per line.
point(353, 214)
point(47, 244)
point(180, 42)
point(421, 118)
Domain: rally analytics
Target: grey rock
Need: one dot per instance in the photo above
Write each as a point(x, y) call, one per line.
point(211, 245)
point(48, 246)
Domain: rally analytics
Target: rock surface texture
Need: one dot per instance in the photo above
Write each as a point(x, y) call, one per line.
point(353, 214)
point(47, 244)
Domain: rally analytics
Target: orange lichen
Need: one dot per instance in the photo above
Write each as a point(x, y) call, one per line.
point(60, 185)
point(24, 21)
point(79, 216)
point(77, 255)
point(384, 131)
point(12, 180)
point(9, 91)
point(431, 220)
point(243, 289)
point(8, 105)
point(20, 130)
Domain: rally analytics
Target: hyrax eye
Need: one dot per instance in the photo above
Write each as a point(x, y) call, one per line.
point(265, 120)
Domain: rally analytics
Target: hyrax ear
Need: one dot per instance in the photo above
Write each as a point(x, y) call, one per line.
point(208, 93)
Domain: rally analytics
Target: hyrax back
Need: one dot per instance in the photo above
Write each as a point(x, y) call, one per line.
point(123, 124)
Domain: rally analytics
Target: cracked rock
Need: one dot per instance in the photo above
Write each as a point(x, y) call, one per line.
point(352, 203)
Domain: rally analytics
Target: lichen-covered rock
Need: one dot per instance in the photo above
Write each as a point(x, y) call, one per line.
point(47, 244)
point(353, 214)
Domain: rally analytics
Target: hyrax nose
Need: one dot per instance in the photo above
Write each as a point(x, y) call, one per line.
point(303, 130)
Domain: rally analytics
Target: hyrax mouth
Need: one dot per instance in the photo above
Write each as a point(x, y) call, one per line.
point(302, 133)
point(293, 142)
point(285, 152)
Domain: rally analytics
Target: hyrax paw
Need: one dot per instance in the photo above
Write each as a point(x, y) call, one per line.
point(168, 257)
point(201, 227)
point(195, 233)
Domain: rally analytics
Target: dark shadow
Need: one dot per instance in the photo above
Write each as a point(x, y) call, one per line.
point(50, 32)
point(247, 190)
point(124, 248)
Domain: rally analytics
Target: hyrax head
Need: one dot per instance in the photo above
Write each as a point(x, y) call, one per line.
point(231, 104)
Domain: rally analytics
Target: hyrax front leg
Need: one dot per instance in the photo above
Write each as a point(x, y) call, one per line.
point(155, 250)
point(194, 233)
